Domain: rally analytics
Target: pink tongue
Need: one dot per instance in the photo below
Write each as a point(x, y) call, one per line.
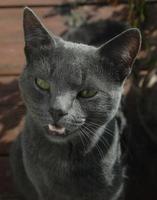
point(59, 130)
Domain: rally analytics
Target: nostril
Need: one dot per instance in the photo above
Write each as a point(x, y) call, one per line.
point(57, 113)
point(61, 113)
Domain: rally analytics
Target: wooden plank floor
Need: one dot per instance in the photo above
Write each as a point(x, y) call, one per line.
point(11, 64)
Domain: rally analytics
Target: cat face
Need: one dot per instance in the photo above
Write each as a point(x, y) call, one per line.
point(71, 88)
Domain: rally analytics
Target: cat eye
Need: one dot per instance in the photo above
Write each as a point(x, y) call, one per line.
point(87, 93)
point(42, 84)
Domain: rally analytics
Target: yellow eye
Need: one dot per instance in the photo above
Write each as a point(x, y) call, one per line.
point(87, 93)
point(42, 84)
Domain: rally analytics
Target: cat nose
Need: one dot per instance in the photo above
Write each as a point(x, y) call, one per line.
point(57, 114)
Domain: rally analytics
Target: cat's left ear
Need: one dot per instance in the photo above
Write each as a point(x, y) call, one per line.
point(120, 53)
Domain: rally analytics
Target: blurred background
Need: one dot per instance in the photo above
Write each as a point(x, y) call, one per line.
point(89, 21)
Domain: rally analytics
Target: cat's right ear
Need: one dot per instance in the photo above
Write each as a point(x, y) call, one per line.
point(119, 53)
point(35, 34)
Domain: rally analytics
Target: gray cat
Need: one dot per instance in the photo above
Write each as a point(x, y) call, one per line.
point(69, 148)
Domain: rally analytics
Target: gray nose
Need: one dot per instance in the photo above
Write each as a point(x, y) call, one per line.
point(57, 114)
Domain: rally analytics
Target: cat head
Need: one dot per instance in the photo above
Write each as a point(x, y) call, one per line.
point(71, 88)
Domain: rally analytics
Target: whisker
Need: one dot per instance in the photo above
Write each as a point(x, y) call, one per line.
point(87, 128)
point(82, 140)
point(97, 145)
point(92, 123)
point(99, 150)
point(107, 131)
point(84, 134)
point(103, 140)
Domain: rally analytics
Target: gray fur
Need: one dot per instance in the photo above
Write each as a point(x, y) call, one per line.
point(85, 164)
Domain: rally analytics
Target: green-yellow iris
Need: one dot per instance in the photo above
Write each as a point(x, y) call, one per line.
point(42, 84)
point(87, 93)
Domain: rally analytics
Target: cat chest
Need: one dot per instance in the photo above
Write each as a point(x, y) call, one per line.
point(59, 177)
point(74, 183)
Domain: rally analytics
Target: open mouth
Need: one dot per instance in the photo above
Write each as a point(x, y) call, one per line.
point(56, 130)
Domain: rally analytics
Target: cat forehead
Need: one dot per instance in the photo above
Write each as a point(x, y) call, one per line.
point(69, 62)
point(75, 53)
point(70, 57)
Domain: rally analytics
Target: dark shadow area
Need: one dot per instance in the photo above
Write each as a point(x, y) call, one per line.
point(106, 29)
point(11, 112)
point(7, 191)
point(141, 111)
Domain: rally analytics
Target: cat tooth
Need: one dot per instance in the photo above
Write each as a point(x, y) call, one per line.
point(61, 130)
point(51, 127)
